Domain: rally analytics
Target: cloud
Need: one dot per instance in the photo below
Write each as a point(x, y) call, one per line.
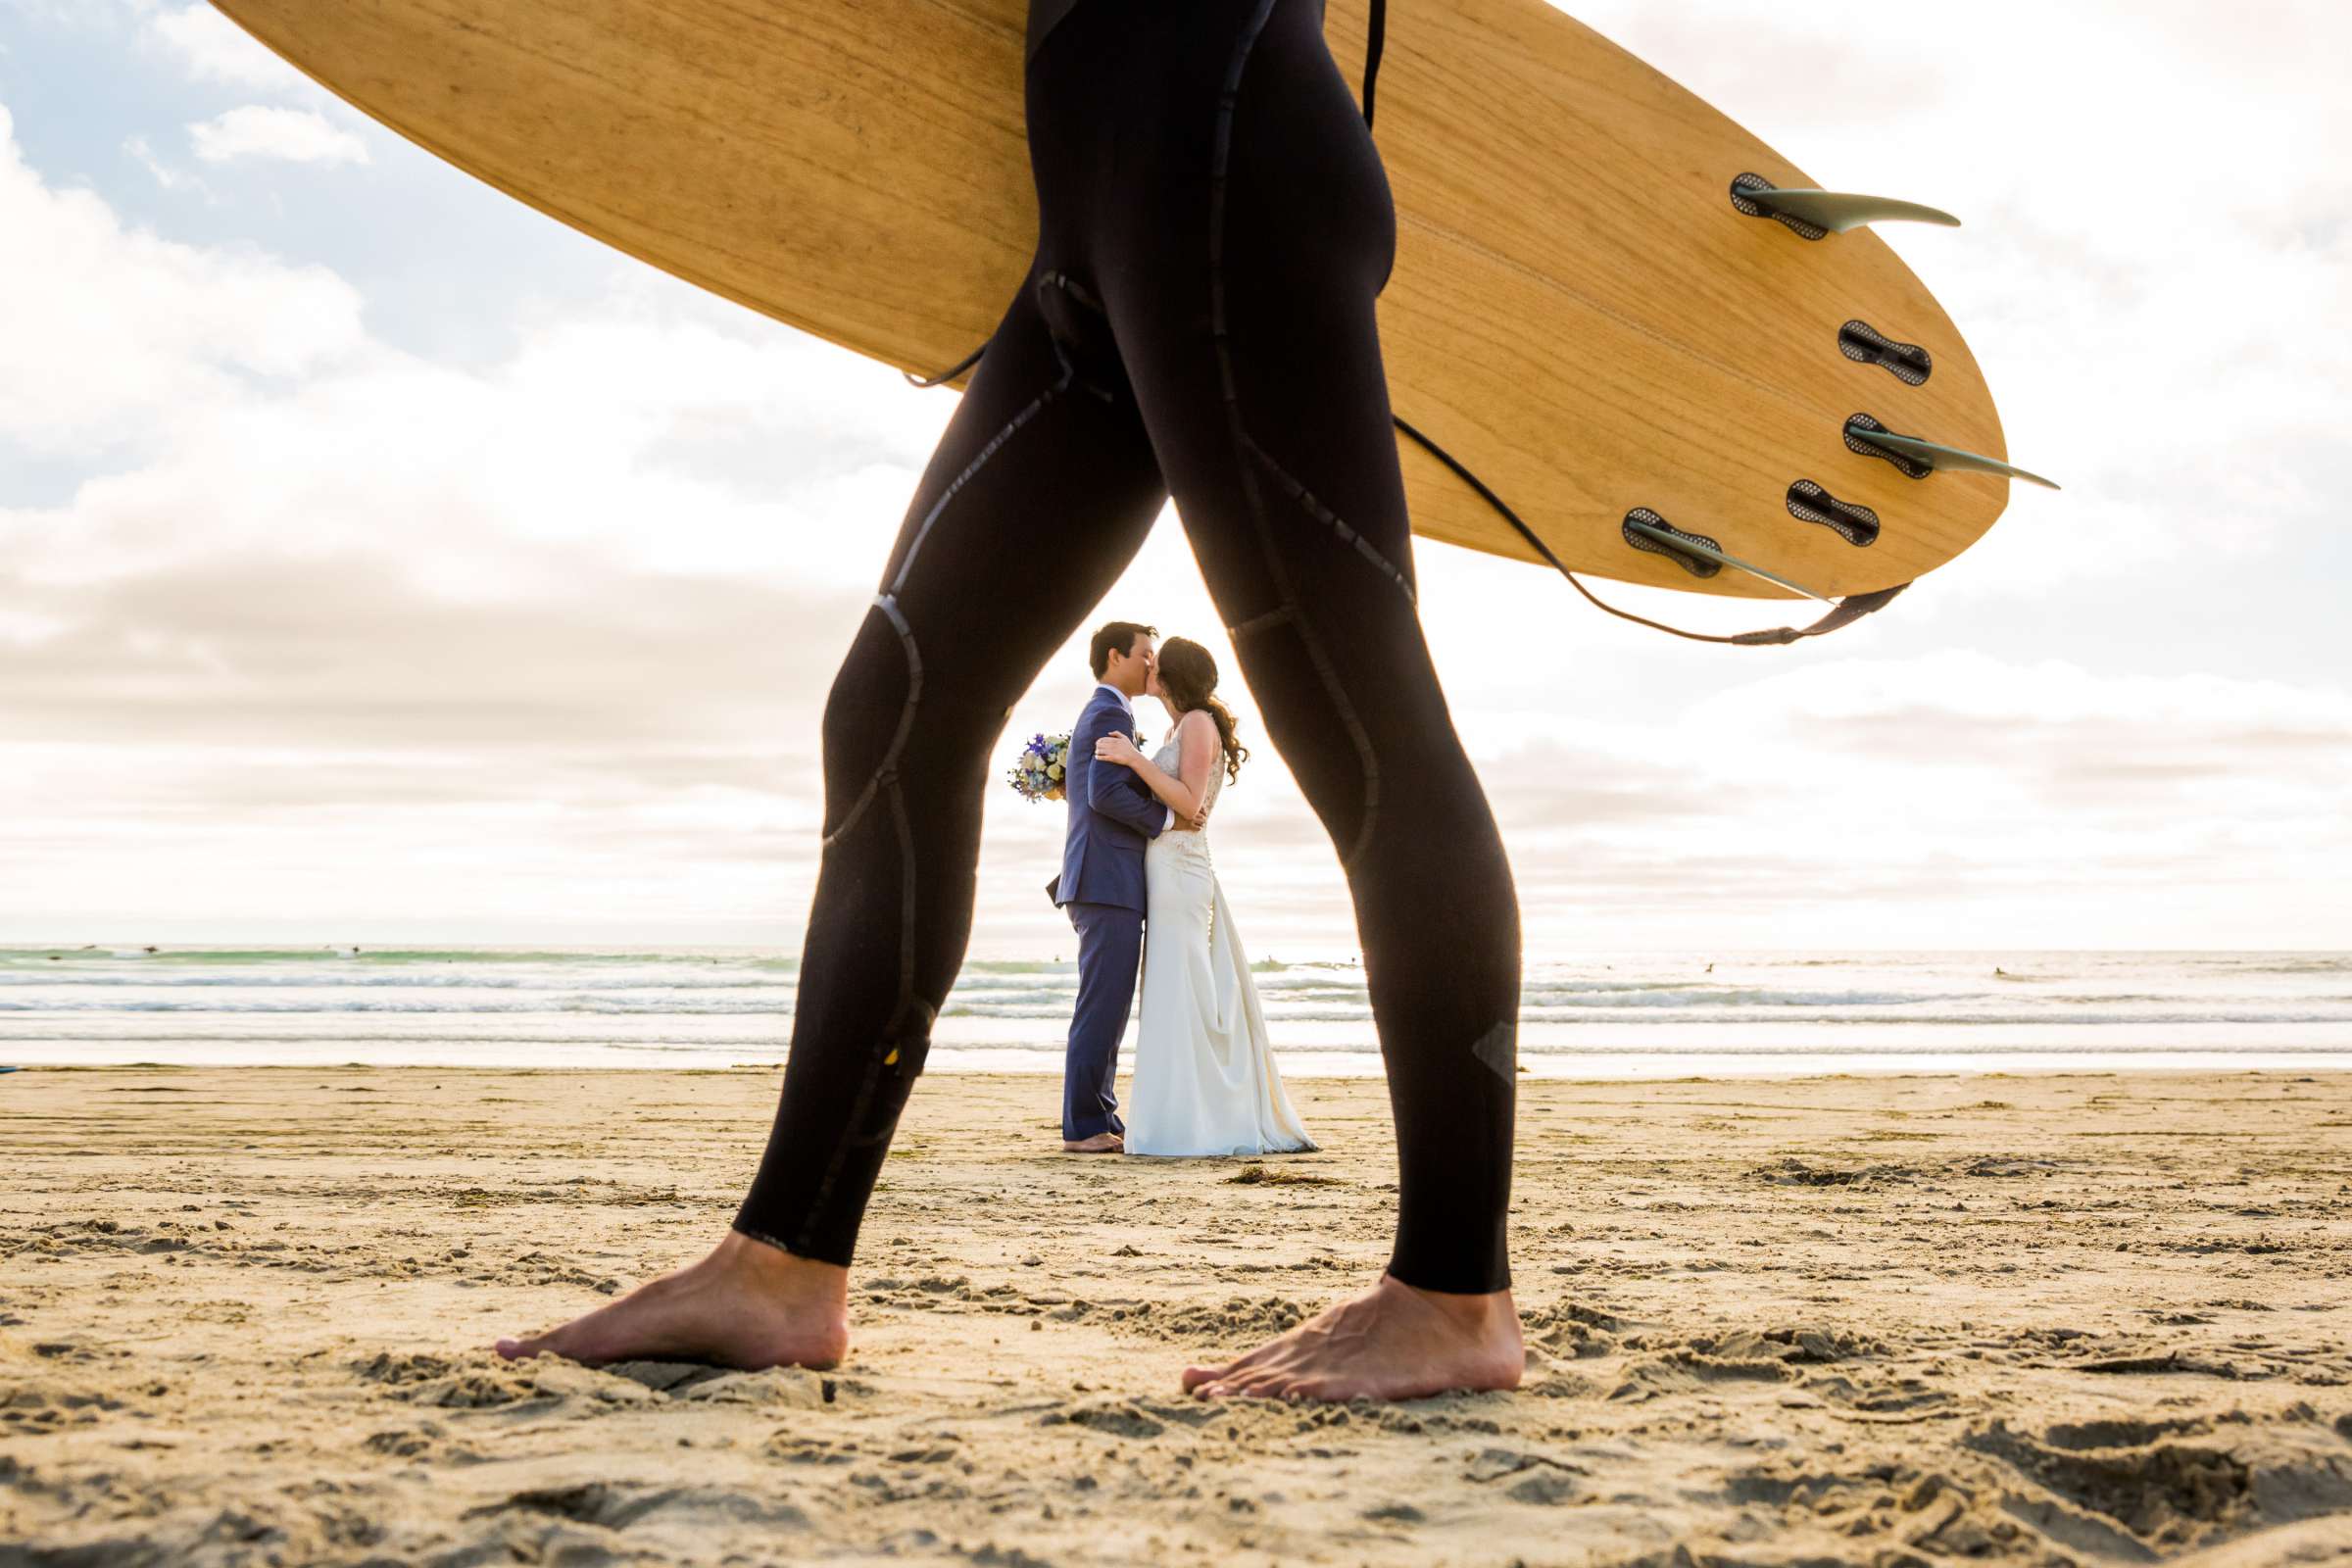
point(323, 615)
point(258, 130)
point(165, 176)
point(1946, 797)
point(345, 650)
point(322, 628)
point(108, 333)
point(213, 48)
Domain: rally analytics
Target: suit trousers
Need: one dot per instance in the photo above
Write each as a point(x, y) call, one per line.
point(1111, 949)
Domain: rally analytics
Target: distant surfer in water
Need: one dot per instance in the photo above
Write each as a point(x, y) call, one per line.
point(1214, 228)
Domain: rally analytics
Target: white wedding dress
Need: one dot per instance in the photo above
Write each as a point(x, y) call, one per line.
point(1204, 1078)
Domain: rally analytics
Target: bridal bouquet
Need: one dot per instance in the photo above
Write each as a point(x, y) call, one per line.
point(1036, 774)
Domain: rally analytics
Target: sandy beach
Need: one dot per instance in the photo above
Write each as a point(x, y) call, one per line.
point(245, 1318)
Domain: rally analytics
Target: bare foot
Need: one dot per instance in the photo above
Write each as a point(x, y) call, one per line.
point(1099, 1143)
point(746, 1305)
point(1394, 1341)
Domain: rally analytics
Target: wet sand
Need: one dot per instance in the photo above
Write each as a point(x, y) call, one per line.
point(1892, 1322)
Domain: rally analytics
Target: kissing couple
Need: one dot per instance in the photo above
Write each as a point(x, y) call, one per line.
point(1139, 885)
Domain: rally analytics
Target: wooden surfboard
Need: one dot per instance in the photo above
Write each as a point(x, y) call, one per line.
point(1581, 311)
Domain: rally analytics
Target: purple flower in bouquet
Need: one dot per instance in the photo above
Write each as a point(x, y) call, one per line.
point(1036, 772)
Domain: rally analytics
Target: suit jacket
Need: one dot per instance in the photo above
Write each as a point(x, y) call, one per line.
point(1113, 814)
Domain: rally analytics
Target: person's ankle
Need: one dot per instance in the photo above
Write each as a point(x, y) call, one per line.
point(784, 1270)
point(1470, 1310)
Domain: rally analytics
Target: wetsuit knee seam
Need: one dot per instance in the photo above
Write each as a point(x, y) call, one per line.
point(1331, 520)
point(888, 603)
point(886, 771)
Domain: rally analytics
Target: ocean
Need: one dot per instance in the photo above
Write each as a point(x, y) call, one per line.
point(1601, 1015)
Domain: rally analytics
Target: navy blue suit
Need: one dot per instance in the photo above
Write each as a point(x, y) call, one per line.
point(1113, 815)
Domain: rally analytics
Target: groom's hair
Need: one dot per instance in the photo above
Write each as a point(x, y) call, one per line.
point(1120, 635)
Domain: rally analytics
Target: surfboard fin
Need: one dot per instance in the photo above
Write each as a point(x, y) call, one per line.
point(1672, 541)
point(1816, 212)
point(1930, 456)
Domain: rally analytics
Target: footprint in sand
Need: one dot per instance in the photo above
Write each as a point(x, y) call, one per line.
point(1688, 1372)
point(1136, 1419)
point(619, 1505)
point(2160, 1491)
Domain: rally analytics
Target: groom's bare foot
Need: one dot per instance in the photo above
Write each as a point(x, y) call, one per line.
point(746, 1305)
point(1099, 1143)
point(1394, 1341)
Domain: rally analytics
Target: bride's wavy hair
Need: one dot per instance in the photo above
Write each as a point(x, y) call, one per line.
point(1188, 673)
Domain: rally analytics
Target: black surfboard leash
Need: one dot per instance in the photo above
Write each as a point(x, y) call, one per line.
point(947, 376)
point(1843, 614)
point(1850, 609)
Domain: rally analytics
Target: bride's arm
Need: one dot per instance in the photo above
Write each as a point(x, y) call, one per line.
point(1196, 755)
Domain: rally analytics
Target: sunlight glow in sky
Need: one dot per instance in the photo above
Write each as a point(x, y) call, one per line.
point(382, 562)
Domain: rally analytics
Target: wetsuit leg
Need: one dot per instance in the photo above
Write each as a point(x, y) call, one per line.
point(1039, 494)
point(1247, 229)
point(1238, 227)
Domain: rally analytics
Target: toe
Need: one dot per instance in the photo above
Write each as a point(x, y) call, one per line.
point(1253, 1358)
point(1253, 1385)
point(1223, 1369)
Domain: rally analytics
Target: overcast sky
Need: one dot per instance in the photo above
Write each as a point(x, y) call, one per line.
point(382, 562)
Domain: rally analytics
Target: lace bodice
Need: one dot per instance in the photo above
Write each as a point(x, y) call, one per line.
point(1168, 757)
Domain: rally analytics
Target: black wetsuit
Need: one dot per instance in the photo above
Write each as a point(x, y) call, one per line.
point(1214, 226)
point(1043, 15)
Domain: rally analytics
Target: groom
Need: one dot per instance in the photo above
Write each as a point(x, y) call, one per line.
point(1113, 815)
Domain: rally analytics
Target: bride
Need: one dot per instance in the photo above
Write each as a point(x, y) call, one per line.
point(1204, 1076)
